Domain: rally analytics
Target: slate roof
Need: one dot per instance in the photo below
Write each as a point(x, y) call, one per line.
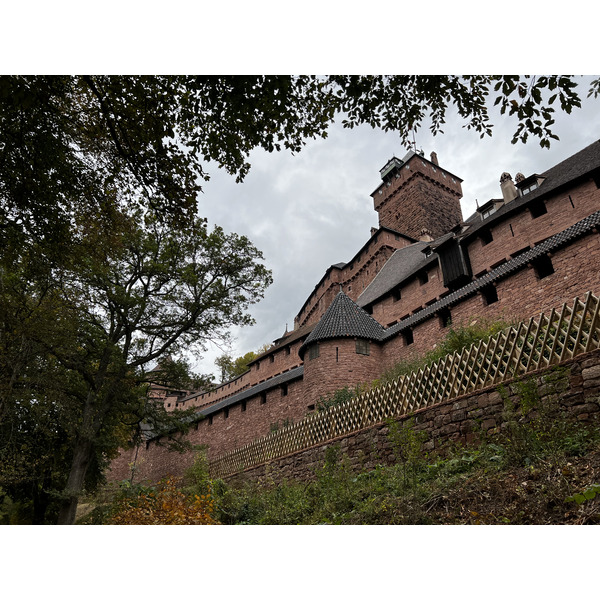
point(344, 318)
point(551, 244)
point(401, 264)
point(566, 172)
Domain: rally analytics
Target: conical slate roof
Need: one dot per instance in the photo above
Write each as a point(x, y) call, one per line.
point(344, 318)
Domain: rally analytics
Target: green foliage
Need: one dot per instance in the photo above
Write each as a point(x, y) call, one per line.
point(281, 424)
point(230, 368)
point(457, 339)
point(338, 397)
point(588, 494)
point(407, 445)
point(537, 425)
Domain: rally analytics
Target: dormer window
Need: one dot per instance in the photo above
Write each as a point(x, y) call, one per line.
point(529, 188)
point(526, 185)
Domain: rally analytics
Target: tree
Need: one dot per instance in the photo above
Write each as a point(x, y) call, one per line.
point(231, 368)
point(126, 296)
point(105, 266)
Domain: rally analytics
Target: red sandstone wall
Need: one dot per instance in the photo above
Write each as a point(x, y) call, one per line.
point(354, 277)
point(420, 196)
point(220, 434)
point(523, 295)
point(337, 366)
point(414, 296)
point(521, 230)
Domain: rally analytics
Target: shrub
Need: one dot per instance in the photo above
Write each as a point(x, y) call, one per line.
point(165, 505)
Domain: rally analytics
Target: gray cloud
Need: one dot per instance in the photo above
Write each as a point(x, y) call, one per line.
point(311, 210)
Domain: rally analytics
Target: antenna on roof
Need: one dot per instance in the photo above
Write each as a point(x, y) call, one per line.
point(414, 142)
point(476, 202)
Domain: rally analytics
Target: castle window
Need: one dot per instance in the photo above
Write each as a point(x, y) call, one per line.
point(272, 358)
point(243, 405)
point(486, 237)
point(313, 351)
point(529, 188)
point(408, 337)
point(210, 420)
point(337, 354)
point(396, 294)
point(226, 413)
point(444, 316)
point(263, 397)
point(489, 294)
point(311, 407)
point(423, 277)
point(257, 366)
point(543, 266)
point(284, 389)
point(537, 209)
point(287, 351)
point(363, 347)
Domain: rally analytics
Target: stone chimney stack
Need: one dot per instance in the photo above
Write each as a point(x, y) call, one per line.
point(425, 235)
point(434, 159)
point(509, 191)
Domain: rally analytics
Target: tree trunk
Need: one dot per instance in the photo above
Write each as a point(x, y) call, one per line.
point(81, 458)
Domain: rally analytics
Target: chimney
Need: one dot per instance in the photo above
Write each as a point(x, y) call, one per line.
point(425, 235)
point(434, 159)
point(509, 191)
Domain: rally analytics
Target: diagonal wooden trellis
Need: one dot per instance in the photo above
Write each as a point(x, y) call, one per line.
point(549, 340)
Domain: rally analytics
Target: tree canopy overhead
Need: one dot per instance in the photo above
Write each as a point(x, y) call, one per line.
point(67, 142)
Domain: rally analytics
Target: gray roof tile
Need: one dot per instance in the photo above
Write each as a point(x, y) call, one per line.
point(344, 318)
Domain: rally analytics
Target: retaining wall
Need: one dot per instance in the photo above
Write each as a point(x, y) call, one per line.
point(463, 419)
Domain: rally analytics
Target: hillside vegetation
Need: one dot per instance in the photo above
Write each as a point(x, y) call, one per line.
point(537, 470)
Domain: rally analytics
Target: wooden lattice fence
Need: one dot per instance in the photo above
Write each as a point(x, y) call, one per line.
point(538, 343)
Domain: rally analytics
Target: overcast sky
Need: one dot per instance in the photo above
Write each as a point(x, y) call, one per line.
point(311, 210)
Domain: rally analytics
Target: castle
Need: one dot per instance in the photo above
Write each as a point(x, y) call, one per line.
point(529, 250)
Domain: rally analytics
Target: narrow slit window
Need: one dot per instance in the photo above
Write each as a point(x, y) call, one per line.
point(408, 337)
point(284, 389)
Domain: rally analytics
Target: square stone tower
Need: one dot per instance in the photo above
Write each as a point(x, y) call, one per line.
point(417, 197)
